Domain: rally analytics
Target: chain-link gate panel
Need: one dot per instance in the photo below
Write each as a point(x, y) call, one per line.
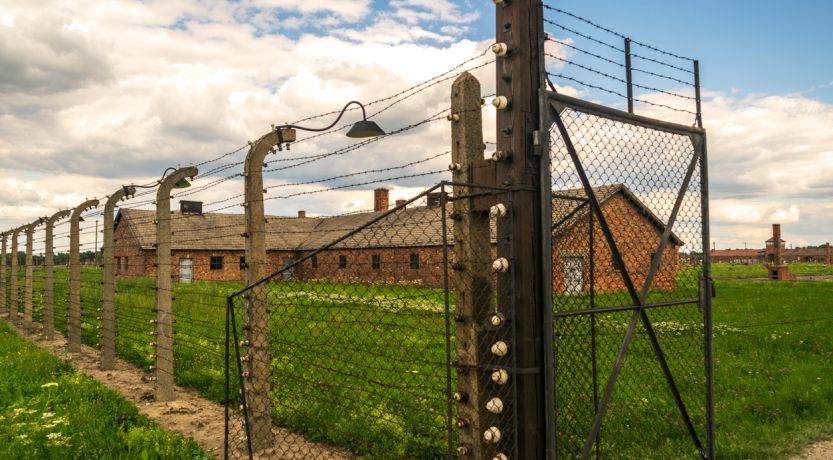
point(630, 328)
point(389, 335)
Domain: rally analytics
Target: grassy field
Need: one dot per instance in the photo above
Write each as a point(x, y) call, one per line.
point(363, 367)
point(47, 410)
point(731, 270)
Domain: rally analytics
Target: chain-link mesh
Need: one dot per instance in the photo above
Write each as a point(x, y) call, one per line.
point(353, 348)
point(611, 256)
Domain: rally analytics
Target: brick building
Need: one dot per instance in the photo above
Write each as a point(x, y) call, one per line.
point(405, 246)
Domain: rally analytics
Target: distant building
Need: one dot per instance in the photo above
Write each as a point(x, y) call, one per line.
point(406, 246)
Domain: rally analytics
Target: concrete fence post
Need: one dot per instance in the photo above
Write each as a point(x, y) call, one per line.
point(74, 320)
point(4, 306)
point(108, 287)
point(13, 294)
point(49, 275)
point(258, 384)
point(472, 250)
point(164, 286)
point(27, 291)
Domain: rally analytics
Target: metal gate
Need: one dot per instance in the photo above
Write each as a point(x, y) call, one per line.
point(631, 351)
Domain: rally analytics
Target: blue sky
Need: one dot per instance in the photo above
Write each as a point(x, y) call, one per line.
point(130, 87)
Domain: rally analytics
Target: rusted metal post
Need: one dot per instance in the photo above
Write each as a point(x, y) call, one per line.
point(473, 284)
point(258, 384)
point(108, 287)
point(27, 290)
point(164, 366)
point(519, 25)
point(14, 311)
point(4, 306)
point(74, 320)
point(48, 275)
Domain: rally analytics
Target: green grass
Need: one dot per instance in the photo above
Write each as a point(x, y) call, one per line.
point(774, 391)
point(47, 410)
point(732, 270)
point(363, 367)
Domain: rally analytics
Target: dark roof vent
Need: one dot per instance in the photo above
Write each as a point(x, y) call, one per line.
point(190, 207)
point(434, 199)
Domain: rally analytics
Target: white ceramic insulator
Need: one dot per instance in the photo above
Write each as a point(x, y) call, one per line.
point(453, 117)
point(500, 456)
point(499, 2)
point(462, 450)
point(498, 210)
point(500, 265)
point(500, 348)
point(497, 319)
point(500, 376)
point(494, 405)
point(500, 102)
point(498, 155)
point(500, 49)
point(492, 435)
point(454, 167)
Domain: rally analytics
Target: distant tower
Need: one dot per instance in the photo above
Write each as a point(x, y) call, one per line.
point(778, 270)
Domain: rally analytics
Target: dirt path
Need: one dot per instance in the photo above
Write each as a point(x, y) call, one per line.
point(819, 451)
point(189, 414)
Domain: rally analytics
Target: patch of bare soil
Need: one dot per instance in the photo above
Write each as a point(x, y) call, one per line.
point(818, 451)
point(188, 414)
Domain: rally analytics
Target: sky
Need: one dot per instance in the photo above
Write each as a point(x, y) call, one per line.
point(97, 94)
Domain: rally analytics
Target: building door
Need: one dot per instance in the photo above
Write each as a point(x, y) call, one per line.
point(290, 273)
point(186, 270)
point(573, 275)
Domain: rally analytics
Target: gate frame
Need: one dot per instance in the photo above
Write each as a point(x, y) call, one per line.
point(552, 105)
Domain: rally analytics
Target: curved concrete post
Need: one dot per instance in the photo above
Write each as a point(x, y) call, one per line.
point(27, 289)
point(258, 381)
point(14, 308)
point(48, 275)
point(164, 286)
point(3, 303)
point(74, 321)
point(108, 292)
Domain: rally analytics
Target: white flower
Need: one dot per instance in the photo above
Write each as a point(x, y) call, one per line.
point(54, 436)
point(50, 384)
point(48, 414)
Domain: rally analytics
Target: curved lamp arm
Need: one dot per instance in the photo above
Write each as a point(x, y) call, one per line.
point(341, 114)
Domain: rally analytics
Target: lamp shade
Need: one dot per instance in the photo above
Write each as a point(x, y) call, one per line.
point(182, 183)
point(365, 128)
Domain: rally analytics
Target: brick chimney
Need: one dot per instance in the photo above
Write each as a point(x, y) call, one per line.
point(776, 244)
point(401, 202)
point(380, 199)
point(302, 214)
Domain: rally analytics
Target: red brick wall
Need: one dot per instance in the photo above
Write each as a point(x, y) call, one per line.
point(394, 266)
point(636, 237)
point(127, 246)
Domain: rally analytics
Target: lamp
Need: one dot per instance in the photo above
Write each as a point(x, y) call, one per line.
point(360, 129)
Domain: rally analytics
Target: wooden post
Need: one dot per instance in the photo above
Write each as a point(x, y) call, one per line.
point(13, 307)
point(4, 306)
point(74, 320)
point(164, 286)
point(258, 382)
point(108, 286)
point(519, 24)
point(48, 275)
point(473, 280)
point(27, 291)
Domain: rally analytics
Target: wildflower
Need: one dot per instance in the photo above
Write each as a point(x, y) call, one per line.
point(48, 414)
point(50, 384)
point(54, 436)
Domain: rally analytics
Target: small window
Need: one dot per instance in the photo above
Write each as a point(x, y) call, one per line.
point(342, 261)
point(314, 261)
point(216, 263)
point(414, 261)
point(126, 265)
point(118, 264)
point(242, 262)
point(375, 261)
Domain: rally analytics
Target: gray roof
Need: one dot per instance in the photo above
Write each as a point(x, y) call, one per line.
point(409, 227)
